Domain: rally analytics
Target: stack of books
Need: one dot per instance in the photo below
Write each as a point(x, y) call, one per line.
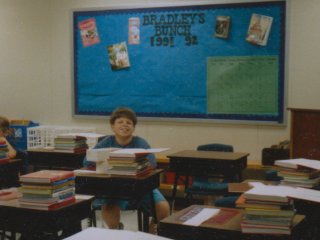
point(299, 172)
point(267, 209)
point(3, 152)
point(47, 189)
point(70, 143)
point(129, 162)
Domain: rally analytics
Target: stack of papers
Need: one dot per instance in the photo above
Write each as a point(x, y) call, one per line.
point(103, 234)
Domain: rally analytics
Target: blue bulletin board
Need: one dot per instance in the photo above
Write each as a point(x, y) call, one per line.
point(172, 62)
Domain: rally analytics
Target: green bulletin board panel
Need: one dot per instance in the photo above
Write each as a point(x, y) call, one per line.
point(178, 68)
point(243, 85)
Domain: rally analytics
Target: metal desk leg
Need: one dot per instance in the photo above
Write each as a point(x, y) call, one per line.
point(140, 225)
point(174, 192)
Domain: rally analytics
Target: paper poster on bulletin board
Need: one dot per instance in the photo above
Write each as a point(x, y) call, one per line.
point(222, 61)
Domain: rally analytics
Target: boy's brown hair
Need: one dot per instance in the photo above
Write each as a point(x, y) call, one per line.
point(123, 112)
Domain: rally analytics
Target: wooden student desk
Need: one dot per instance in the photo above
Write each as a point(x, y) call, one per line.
point(9, 173)
point(120, 187)
point(53, 159)
point(173, 227)
point(37, 224)
point(226, 165)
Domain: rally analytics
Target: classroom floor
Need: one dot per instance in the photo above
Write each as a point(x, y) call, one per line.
point(128, 218)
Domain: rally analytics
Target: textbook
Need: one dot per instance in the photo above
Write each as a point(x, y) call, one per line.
point(50, 206)
point(250, 228)
point(305, 194)
point(72, 150)
point(52, 187)
point(132, 173)
point(47, 193)
point(298, 163)
point(269, 212)
point(269, 193)
point(9, 194)
point(241, 202)
point(302, 173)
point(134, 152)
point(4, 160)
point(46, 176)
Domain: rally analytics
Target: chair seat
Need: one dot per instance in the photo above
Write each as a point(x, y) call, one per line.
point(272, 175)
point(229, 202)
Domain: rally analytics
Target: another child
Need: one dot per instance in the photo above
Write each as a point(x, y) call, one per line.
point(4, 132)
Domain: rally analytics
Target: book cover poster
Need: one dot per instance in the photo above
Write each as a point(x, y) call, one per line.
point(89, 32)
point(134, 30)
point(259, 29)
point(222, 27)
point(118, 56)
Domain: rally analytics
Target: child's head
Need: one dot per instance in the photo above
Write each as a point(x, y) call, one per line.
point(123, 112)
point(4, 126)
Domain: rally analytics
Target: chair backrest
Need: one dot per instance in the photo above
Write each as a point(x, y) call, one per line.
point(269, 155)
point(219, 147)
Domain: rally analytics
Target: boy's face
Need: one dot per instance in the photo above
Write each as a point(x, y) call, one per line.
point(123, 127)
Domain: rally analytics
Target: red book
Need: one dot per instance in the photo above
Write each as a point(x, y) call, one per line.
point(4, 160)
point(63, 203)
point(46, 176)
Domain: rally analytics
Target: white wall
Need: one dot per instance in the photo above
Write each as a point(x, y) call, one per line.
point(36, 73)
point(25, 59)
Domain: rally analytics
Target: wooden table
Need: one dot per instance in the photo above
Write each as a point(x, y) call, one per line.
point(120, 187)
point(9, 173)
point(54, 159)
point(226, 165)
point(42, 224)
point(221, 228)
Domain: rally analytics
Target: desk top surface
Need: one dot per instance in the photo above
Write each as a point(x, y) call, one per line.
point(15, 202)
point(51, 151)
point(11, 161)
point(11, 164)
point(209, 155)
point(94, 174)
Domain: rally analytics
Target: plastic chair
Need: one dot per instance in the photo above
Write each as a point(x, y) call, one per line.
point(269, 156)
point(203, 186)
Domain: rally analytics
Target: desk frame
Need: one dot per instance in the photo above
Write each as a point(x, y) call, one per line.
point(172, 227)
point(52, 159)
point(226, 165)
